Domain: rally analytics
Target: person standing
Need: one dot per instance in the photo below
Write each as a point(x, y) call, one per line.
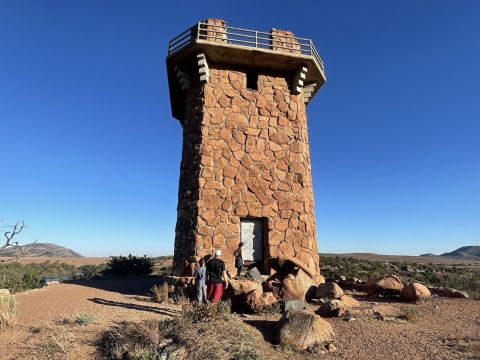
point(200, 275)
point(216, 275)
point(238, 260)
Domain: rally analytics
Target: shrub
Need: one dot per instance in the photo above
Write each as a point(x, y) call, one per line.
point(89, 271)
point(159, 293)
point(8, 311)
point(130, 265)
point(202, 330)
point(82, 319)
point(410, 313)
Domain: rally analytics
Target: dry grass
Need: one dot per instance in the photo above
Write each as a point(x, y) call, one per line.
point(8, 311)
point(159, 293)
point(204, 332)
point(410, 313)
point(55, 343)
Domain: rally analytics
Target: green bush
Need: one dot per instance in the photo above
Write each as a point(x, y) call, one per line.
point(20, 277)
point(129, 265)
point(89, 271)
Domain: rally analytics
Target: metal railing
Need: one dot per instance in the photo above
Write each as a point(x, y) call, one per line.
point(249, 38)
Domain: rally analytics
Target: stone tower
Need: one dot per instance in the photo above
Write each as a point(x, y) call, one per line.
point(240, 96)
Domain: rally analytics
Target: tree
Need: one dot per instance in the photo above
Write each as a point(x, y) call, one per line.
point(10, 234)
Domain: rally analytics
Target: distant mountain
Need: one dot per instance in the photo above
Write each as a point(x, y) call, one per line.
point(465, 253)
point(41, 249)
point(428, 254)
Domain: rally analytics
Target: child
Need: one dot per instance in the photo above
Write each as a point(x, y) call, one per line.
point(200, 277)
point(238, 260)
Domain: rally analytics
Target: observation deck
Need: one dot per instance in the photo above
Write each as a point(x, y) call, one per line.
point(276, 50)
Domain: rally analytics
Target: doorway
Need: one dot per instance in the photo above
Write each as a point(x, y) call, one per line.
point(251, 234)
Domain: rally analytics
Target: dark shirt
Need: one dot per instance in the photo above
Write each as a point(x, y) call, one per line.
point(215, 269)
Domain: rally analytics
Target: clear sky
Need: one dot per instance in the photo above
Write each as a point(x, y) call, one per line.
point(90, 154)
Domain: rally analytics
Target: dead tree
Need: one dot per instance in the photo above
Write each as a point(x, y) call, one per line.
point(11, 238)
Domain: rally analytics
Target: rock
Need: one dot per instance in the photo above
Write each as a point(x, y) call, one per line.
point(302, 330)
point(452, 293)
point(349, 301)
point(291, 290)
point(332, 308)
point(253, 273)
point(286, 305)
point(243, 287)
point(414, 292)
point(306, 283)
point(328, 290)
point(331, 348)
point(256, 303)
point(393, 319)
point(173, 352)
point(386, 285)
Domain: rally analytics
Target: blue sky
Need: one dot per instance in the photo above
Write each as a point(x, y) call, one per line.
point(89, 152)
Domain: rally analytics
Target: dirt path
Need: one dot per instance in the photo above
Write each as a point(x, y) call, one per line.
point(445, 329)
point(40, 333)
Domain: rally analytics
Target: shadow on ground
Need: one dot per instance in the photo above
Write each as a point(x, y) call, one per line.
point(267, 328)
point(153, 309)
point(125, 286)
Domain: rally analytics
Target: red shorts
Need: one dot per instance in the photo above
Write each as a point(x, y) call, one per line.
point(214, 292)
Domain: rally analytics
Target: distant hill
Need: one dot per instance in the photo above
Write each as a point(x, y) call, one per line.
point(43, 250)
point(428, 254)
point(465, 253)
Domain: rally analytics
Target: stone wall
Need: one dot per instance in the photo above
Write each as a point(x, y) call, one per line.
point(213, 30)
point(284, 41)
point(245, 154)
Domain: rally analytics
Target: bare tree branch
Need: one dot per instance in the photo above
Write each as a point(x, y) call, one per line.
point(10, 242)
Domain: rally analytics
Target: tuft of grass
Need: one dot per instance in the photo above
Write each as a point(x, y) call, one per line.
point(79, 319)
point(8, 311)
point(410, 313)
point(56, 342)
point(159, 293)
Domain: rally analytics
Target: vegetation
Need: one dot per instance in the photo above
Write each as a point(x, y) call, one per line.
point(159, 293)
point(129, 265)
point(20, 277)
point(410, 313)
point(90, 271)
point(8, 311)
point(460, 277)
point(202, 331)
point(79, 319)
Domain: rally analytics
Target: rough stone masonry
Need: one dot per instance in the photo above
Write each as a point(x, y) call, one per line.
point(245, 155)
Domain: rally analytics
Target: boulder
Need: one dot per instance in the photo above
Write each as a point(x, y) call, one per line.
point(291, 290)
point(386, 285)
point(349, 301)
point(328, 290)
point(244, 286)
point(254, 274)
point(332, 308)
point(301, 330)
point(306, 283)
point(452, 293)
point(414, 292)
point(286, 305)
point(256, 303)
